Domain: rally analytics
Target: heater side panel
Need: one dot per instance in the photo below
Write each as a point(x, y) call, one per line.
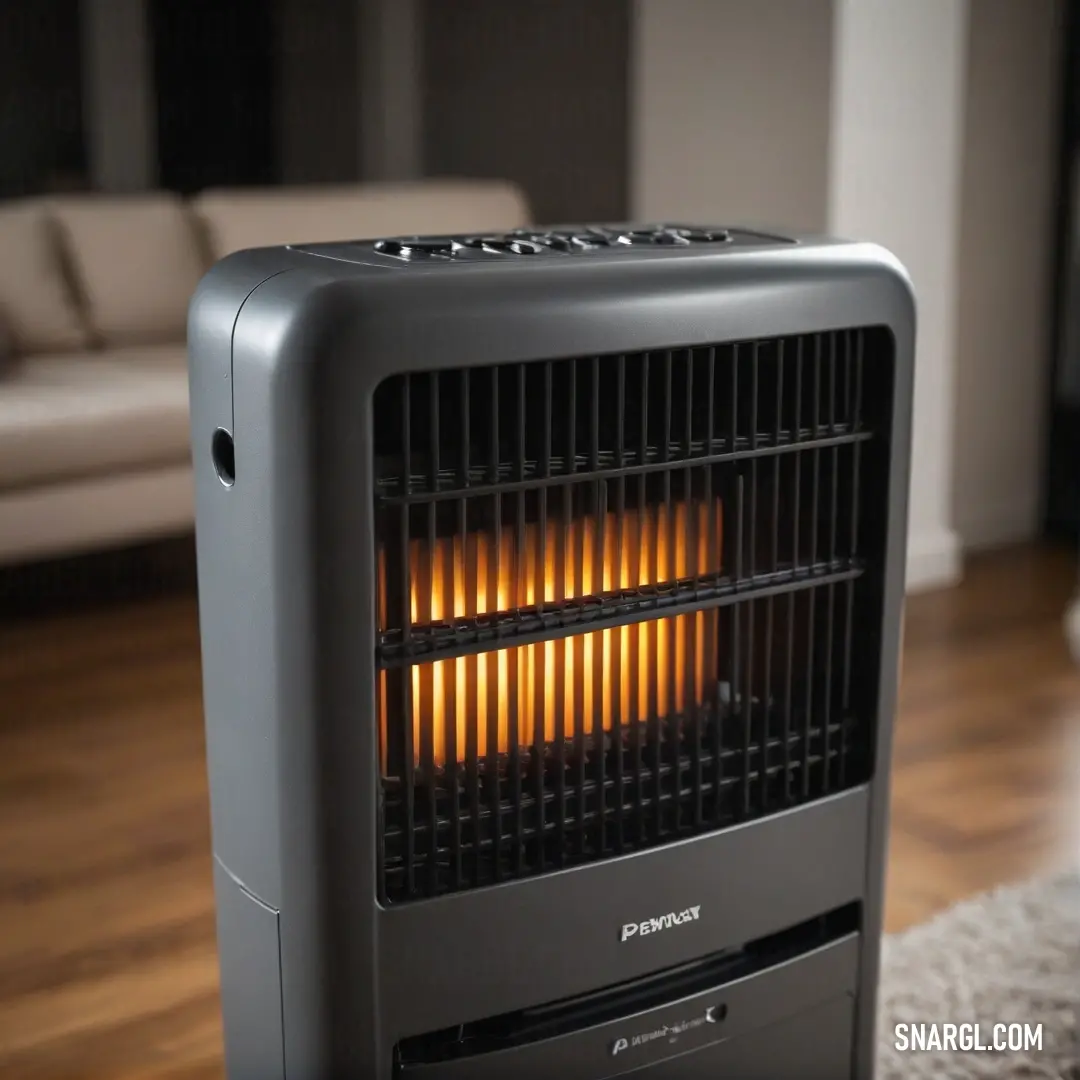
point(241, 748)
point(249, 950)
point(294, 350)
point(263, 578)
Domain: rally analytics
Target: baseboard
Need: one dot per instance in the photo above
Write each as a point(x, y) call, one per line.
point(934, 560)
point(996, 526)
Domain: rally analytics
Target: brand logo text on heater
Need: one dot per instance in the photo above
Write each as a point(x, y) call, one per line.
point(663, 922)
point(671, 1032)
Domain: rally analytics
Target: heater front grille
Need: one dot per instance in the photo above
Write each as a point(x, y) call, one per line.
point(623, 599)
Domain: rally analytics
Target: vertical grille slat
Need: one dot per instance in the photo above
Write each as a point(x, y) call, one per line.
point(576, 650)
point(815, 509)
point(543, 675)
point(796, 467)
point(834, 476)
point(490, 661)
point(468, 748)
point(601, 648)
point(855, 357)
point(750, 740)
point(739, 708)
point(616, 635)
point(519, 685)
point(452, 769)
point(789, 698)
point(404, 769)
point(620, 599)
point(637, 661)
point(429, 732)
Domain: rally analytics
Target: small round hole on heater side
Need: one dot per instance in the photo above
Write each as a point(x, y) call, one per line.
point(223, 455)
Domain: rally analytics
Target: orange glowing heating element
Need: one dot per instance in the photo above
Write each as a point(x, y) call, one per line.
point(630, 672)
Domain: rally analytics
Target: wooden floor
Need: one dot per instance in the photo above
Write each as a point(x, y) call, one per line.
point(107, 963)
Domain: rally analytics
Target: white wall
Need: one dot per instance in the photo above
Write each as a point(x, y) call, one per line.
point(1006, 257)
point(730, 110)
point(897, 127)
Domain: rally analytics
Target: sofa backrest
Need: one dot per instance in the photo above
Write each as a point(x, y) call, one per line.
point(79, 271)
point(136, 261)
point(37, 308)
point(239, 219)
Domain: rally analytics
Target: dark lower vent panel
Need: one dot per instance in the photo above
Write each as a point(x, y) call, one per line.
point(612, 1003)
point(623, 599)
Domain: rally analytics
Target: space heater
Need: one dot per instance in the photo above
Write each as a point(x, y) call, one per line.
point(550, 588)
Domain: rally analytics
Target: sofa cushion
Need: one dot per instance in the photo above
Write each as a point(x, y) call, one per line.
point(137, 261)
point(68, 415)
point(239, 219)
point(36, 302)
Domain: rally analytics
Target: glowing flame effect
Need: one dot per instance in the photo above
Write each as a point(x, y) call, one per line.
point(473, 699)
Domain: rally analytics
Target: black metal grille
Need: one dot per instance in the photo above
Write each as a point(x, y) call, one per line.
point(623, 599)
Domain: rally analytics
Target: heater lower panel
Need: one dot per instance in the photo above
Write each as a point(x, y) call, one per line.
point(791, 1021)
point(560, 935)
point(249, 943)
point(813, 1045)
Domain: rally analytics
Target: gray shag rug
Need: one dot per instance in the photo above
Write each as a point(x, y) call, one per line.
point(1009, 956)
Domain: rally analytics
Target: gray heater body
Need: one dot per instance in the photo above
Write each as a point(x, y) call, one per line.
point(551, 873)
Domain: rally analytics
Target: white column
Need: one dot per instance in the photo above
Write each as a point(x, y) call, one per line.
point(894, 178)
point(390, 90)
point(119, 104)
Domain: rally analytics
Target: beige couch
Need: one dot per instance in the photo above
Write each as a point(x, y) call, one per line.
point(93, 295)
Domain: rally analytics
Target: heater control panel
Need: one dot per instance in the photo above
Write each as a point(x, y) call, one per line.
point(554, 242)
point(550, 241)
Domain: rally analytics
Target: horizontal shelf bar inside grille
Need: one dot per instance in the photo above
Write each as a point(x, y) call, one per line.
point(464, 637)
point(508, 477)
